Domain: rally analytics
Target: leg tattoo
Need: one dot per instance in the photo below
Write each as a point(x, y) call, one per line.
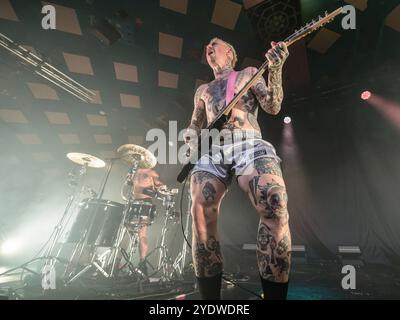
point(209, 191)
point(201, 176)
point(208, 258)
point(268, 166)
point(273, 258)
point(272, 198)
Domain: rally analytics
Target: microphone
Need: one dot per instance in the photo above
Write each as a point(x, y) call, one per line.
point(149, 192)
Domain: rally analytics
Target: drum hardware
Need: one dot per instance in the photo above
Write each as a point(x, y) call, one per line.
point(82, 241)
point(88, 236)
point(165, 264)
point(179, 263)
point(169, 270)
point(140, 213)
point(131, 153)
point(85, 161)
point(137, 157)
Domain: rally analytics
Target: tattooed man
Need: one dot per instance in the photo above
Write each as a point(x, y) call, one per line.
point(257, 169)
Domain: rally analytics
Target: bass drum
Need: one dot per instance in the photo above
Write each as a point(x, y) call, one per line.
point(98, 221)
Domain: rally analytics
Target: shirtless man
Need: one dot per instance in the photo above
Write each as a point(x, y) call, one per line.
point(257, 168)
point(145, 183)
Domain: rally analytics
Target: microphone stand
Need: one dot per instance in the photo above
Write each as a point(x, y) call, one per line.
point(111, 164)
point(121, 229)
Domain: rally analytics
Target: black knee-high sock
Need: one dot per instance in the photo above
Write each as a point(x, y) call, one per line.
point(274, 290)
point(210, 287)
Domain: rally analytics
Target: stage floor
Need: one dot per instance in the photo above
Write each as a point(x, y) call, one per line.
point(309, 281)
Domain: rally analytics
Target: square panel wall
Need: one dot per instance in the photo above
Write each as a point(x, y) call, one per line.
point(126, 72)
point(170, 45)
point(13, 116)
point(66, 19)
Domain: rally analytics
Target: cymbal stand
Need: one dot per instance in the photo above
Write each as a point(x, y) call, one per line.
point(49, 259)
point(112, 259)
point(70, 273)
point(179, 263)
point(117, 247)
point(75, 182)
point(164, 260)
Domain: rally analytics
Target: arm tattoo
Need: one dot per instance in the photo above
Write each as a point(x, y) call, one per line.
point(270, 97)
point(199, 112)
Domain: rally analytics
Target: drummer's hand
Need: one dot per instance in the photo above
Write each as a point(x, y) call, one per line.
point(157, 183)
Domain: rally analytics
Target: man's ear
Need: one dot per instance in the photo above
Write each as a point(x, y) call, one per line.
point(229, 54)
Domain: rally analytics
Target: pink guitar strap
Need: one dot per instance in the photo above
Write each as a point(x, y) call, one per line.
point(230, 87)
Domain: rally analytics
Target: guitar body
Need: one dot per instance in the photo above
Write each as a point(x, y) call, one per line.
point(217, 124)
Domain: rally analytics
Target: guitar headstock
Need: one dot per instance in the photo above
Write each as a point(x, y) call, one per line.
point(312, 26)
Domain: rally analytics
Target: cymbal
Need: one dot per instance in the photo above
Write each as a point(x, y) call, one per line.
point(86, 159)
point(132, 152)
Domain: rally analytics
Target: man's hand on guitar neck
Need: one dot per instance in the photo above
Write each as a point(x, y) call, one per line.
point(277, 55)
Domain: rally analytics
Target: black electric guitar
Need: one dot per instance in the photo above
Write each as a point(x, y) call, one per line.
point(224, 113)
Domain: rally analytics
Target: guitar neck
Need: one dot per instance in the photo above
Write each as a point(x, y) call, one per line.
point(297, 35)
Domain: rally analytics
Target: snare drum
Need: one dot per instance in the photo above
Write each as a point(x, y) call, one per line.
point(141, 213)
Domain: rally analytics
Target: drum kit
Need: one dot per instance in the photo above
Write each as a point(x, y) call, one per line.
point(104, 234)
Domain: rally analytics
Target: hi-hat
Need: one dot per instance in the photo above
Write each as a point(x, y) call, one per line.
point(86, 159)
point(131, 152)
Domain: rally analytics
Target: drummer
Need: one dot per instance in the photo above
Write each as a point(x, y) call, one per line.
point(145, 184)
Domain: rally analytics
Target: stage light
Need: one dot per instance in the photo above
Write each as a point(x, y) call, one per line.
point(170, 143)
point(350, 255)
point(287, 120)
point(366, 95)
point(299, 253)
point(9, 247)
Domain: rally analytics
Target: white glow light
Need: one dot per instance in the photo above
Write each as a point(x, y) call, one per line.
point(9, 247)
point(287, 120)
